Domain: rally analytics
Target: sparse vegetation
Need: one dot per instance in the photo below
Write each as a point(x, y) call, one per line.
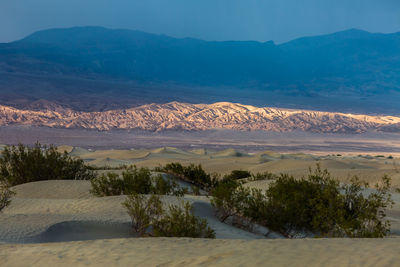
point(316, 205)
point(134, 181)
point(195, 190)
point(262, 176)
point(21, 164)
point(5, 195)
point(180, 222)
point(149, 218)
point(228, 199)
point(108, 168)
point(238, 174)
point(143, 212)
point(193, 174)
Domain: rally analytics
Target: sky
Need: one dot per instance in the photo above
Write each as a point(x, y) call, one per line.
point(260, 20)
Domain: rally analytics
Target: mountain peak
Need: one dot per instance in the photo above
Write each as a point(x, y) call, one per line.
point(353, 69)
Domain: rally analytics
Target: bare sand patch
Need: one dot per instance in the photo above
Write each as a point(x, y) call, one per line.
point(200, 252)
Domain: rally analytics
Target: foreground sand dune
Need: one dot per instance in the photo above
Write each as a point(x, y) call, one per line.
point(50, 211)
point(189, 252)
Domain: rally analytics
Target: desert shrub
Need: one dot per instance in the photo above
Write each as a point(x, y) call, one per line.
point(239, 174)
point(195, 190)
point(365, 216)
point(149, 218)
point(296, 206)
point(242, 205)
point(228, 198)
point(193, 174)
point(137, 181)
point(143, 212)
point(180, 222)
point(134, 181)
point(317, 205)
point(5, 195)
point(167, 186)
point(262, 176)
point(23, 164)
point(107, 168)
point(108, 184)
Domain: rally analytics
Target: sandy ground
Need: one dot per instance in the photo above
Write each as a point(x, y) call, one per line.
point(62, 211)
point(59, 223)
point(287, 142)
point(190, 252)
point(51, 211)
point(369, 168)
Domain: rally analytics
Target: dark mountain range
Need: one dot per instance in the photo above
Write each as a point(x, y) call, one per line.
point(93, 68)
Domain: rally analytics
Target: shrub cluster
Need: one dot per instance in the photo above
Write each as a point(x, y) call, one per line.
point(228, 198)
point(193, 174)
point(196, 175)
point(262, 176)
point(149, 218)
point(134, 181)
point(238, 174)
point(21, 164)
point(180, 222)
point(316, 205)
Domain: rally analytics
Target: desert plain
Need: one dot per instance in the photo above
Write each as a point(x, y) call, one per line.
point(60, 223)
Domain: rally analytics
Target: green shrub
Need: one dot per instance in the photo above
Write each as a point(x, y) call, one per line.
point(167, 186)
point(5, 195)
point(137, 181)
point(263, 176)
point(180, 222)
point(296, 206)
point(193, 174)
point(320, 205)
point(108, 168)
point(149, 218)
point(195, 190)
point(239, 174)
point(228, 198)
point(143, 212)
point(317, 205)
point(134, 181)
point(108, 184)
point(23, 164)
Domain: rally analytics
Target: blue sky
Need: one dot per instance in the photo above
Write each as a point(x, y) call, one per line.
point(261, 20)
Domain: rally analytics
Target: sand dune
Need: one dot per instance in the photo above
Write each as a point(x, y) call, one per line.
point(54, 190)
point(200, 252)
point(368, 167)
point(96, 231)
point(46, 211)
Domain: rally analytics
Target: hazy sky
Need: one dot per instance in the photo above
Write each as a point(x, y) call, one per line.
point(262, 20)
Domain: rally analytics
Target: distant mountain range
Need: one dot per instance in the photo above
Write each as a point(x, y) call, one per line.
point(95, 69)
point(198, 117)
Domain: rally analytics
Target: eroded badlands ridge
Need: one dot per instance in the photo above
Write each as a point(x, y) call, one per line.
point(183, 116)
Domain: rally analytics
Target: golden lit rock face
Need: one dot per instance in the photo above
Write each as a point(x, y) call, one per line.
point(183, 116)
